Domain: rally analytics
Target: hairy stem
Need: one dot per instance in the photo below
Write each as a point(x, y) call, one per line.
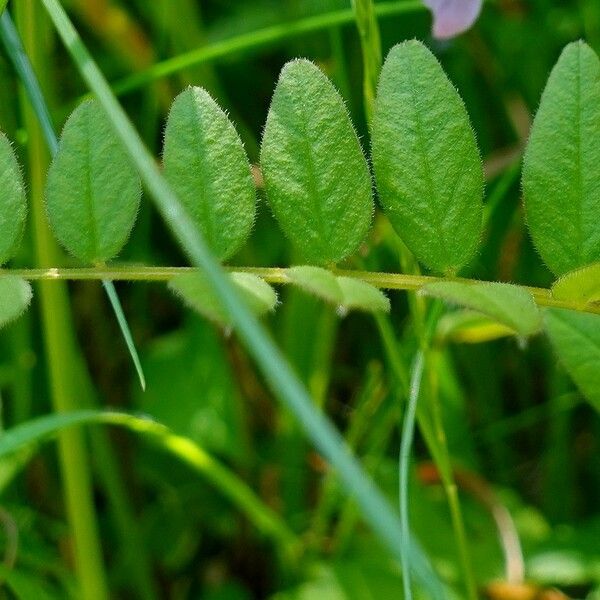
point(384, 281)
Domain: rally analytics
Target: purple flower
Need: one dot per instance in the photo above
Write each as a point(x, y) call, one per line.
point(452, 17)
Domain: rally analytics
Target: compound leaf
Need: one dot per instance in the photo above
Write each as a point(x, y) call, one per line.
point(206, 164)
point(13, 203)
point(15, 296)
point(427, 165)
point(316, 281)
point(196, 292)
point(316, 177)
point(561, 171)
point(360, 295)
point(92, 192)
point(575, 337)
point(507, 304)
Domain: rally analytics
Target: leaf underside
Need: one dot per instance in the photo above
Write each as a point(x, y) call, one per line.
point(507, 304)
point(196, 293)
point(427, 165)
point(13, 203)
point(576, 340)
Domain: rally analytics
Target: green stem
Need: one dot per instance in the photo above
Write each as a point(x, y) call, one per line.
point(408, 432)
point(278, 373)
point(444, 465)
point(55, 311)
point(384, 281)
point(257, 39)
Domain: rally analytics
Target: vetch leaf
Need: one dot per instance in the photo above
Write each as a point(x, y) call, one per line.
point(508, 304)
point(580, 285)
point(13, 203)
point(92, 192)
point(360, 295)
point(195, 291)
point(316, 281)
point(561, 170)
point(15, 296)
point(427, 165)
point(316, 177)
point(575, 337)
point(206, 164)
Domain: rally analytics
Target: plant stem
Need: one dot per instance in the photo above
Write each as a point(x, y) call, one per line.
point(370, 41)
point(408, 432)
point(444, 465)
point(384, 281)
point(278, 373)
point(60, 358)
point(257, 39)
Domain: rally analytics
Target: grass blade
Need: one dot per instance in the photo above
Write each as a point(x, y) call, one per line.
point(42, 429)
point(111, 292)
point(276, 370)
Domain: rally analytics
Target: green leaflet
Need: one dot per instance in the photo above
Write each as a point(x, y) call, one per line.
point(316, 177)
point(576, 340)
point(582, 284)
point(15, 296)
point(93, 192)
point(507, 304)
point(318, 282)
point(13, 203)
point(195, 291)
point(561, 171)
point(206, 164)
point(360, 295)
point(427, 166)
point(348, 293)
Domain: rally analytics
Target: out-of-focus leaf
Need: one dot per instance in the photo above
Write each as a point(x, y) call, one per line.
point(360, 295)
point(576, 339)
point(207, 412)
point(508, 304)
point(581, 285)
point(15, 296)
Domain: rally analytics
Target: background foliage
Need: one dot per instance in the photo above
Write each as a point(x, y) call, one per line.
point(520, 437)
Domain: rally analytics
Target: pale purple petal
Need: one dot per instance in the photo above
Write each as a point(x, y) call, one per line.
point(452, 17)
